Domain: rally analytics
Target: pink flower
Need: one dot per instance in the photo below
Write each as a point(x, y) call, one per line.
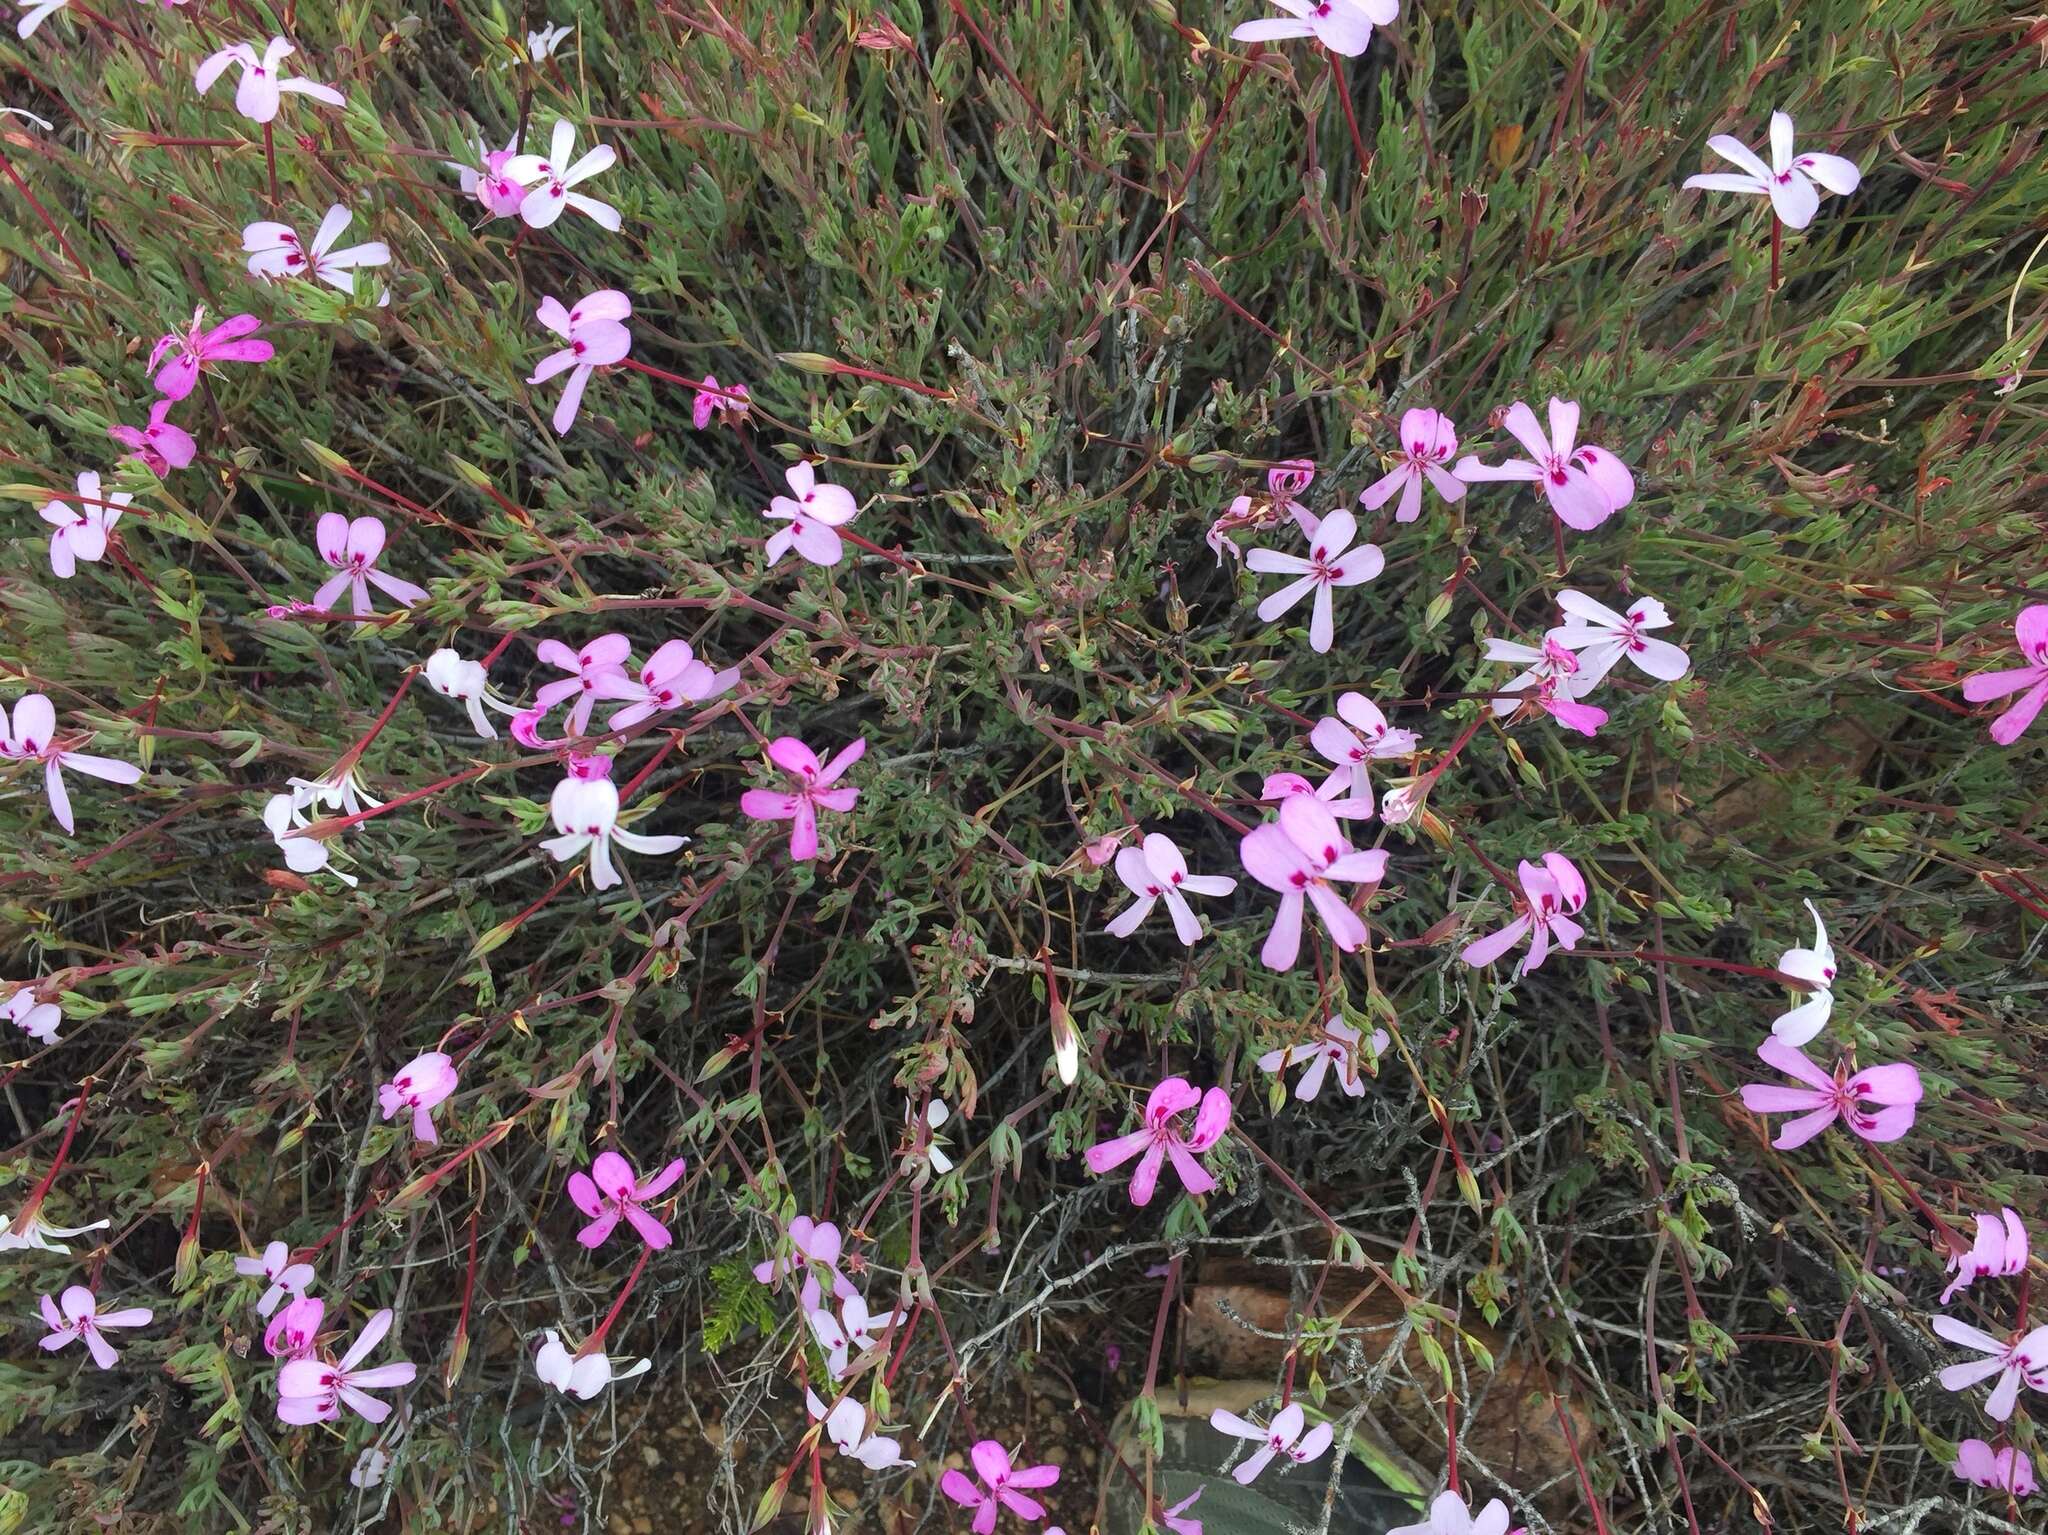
point(293, 1330)
point(1298, 855)
point(1552, 683)
point(1342, 26)
point(585, 807)
point(1283, 1436)
point(1331, 563)
point(1103, 848)
point(2012, 1360)
point(596, 671)
point(2031, 629)
point(1895, 1089)
point(846, 1425)
point(193, 350)
point(814, 791)
point(548, 180)
point(813, 1250)
point(1336, 1046)
point(1158, 872)
point(276, 1269)
point(1797, 1026)
point(422, 1086)
point(1788, 181)
point(1549, 896)
point(1349, 754)
point(160, 445)
point(850, 1334)
point(992, 1464)
point(1448, 1515)
point(2005, 1470)
point(1427, 442)
point(2000, 1248)
point(350, 549)
point(596, 339)
point(81, 532)
point(312, 1390)
point(715, 399)
point(1162, 1139)
point(487, 180)
point(81, 1318)
point(1173, 1518)
point(275, 252)
point(1278, 786)
point(611, 1190)
point(1284, 481)
point(671, 678)
point(1600, 637)
point(32, 737)
point(1585, 485)
point(256, 98)
point(38, 1020)
point(812, 516)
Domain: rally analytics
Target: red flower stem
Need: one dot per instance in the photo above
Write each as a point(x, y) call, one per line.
point(35, 1198)
point(1343, 90)
point(328, 826)
point(1777, 245)
point(901, 561)
point(1941, 1227)
point(498, 649)
point(595, 1342)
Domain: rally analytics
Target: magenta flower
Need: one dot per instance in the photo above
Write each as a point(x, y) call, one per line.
point(160, 444)
point(1351, 753)
point(1551, 682)
point(585, 807)
point(1342, 26)
point(2031, 630)
point(1549, 897)
point(1449, 1515)
point(1157, 872)
point(2000, 1248)
point(350, 549)
point(423, 1086)
point(488, 181)
point(277, 1270)
point(1336, 1045)
point(293, 1331)
point(1331, 563)
point(596, 339)
point(312, 1390)
point(275, 251)
point(1894, 1090)
point(1299, 855)
point(81, 532)
point(2014, 1361)
point(1278, 786)
point(1175, 1518)
point(611, 1191)
point(1585, 485)
point(814, 792)
point(816, 510)
point(671, 678)
point(1600, 637)
point(715, 399)
point(82, 1319)
point(1285, 1435)
point(596, 671)
point(1002, 1483)
point(1162, 1138)
point(2004, 1470)
point(197, 347)
point(1789, 181)
point(1284, 481)
point(32, 737)
point(1427, 442)
point(256, 97)
point(548, 180)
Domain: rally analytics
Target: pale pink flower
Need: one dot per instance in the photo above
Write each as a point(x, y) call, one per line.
point(256, 97)
point(1600, 637)
point(1330, 563)
point(369, 1469)
point(2015, 1361)
point(1278, 786)
point(81, 1319)
point(1337, 1045)
point(313, 1391)
point(423, 1086)
point(715, 399)
point(813, 1250)
point(581, 1376)
point(2000, 1248)
point(2003, 1470)
point(846, 1425)
point(815, 791)
point(489, 182)
point(34, 13)
point(549, 179)
point(596, 338)
point(1355, 737)
point(161, 444)
point(2031, 630)
point(350, 549)
point(1162, 1139)
point(1175, 1518)
point(294, 1330)
point(1286, 1435)
point(31, 736)
point(1449, 1515)
point(1299, 855)
point(853, 1332)
point(585, 807)
point(542, 44)
point(1158, 872)
point(1550, 895)
point(275, 252)
point(1585, 485)
point(1284, 481)
point(1002, 1483)
point(671, 678)
point(1792, 182)
point(1103, 848)
point(1427, 442)
point(611, 1190)
point(1551, 682)
point(38, 1020)
point(81, 532)
point(1878, 1102)
point(196, 347)
point(1798, 1025)
point(1342, 26)
point(812, 510)
point(467, 682)
point(596, 671)
point(282, 1276)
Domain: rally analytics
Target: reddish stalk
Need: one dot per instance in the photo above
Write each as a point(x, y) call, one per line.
point(36, 1195)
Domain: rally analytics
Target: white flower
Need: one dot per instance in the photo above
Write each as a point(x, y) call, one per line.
point(35, 14)
point(1817, 965)
point(1448, 1515)
point(1602, 637)
point(581, 1377)
point(37, 1234)
point(542, 44)
point(1337, 1047)
point(586, 812)
point(1788, 181)
point(302, 855)
point(1283, 1436)
point(935, 1115)
point(1158, 872)
point(452, 677)
point(369, 1468)
point(548, 180)
point(846, 1426)
point(852, 1333)
point(275, 252)
point(38, 1020)
point(80, 532)
point(256, 98)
